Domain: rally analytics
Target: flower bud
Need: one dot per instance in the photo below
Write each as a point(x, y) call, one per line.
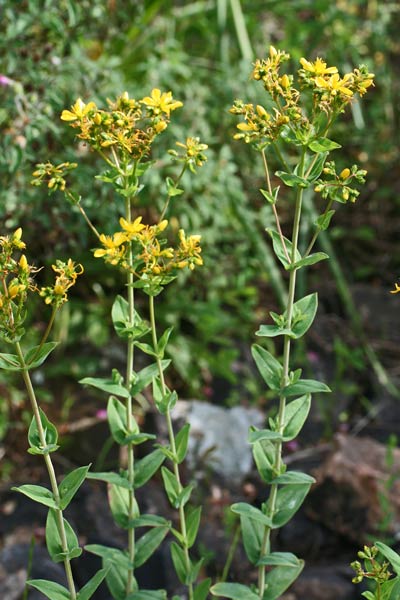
point(272, 51)
point(23, 263)
point(344, 174)
point(97, 118)
point(285, 81)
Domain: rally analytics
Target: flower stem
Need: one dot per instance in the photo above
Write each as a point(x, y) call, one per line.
point(278, 225)
point(182, 517)
point(285, 377)
point(129, 415)
point(50, 469)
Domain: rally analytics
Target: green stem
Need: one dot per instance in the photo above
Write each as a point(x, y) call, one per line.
point(176, 183)
point(318, 231)
point(231, 553)
point(129, 415)
point(285, 377)
point(46, 333)
point(50, 469)
point(278, 225)
point(182, 517)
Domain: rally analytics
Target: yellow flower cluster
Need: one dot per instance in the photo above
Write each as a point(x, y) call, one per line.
point(129, 126)
point(192, 153)
point(67, 273)
point(52, 175)
point(152, 258)
point(330, 94)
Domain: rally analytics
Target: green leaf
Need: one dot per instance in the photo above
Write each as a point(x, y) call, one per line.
point(273, 331)
point(146, 376)
point(147, 466)
point(294, 478)
point(116, 579)
point(279, 579)
point(251, 512)
point(148, 544)
point(181, 441)
point(390, 555)
point(193, 516)
point(289, 499)
point(50, 434)
point(272, 198)
point(171, 485)
point(116, 414)
point(304, 311)
point(296, 413)
point(164, 401)
point(91, 586)
point(70, 485)
point(179, 560)
point(121, 321)
point(9, 362)
point(269, 368)
point(236, 591)
point(53, 539)
point(201, 590)
point(317, 166)
point(292, 180)
point(264, 434)
point(324, 220)
point(150, 521)
point(106, 385)
point(172, 190)
point(146, 348)
point(148, 595)
point(323, 145)
point(311, 259)
point(110, 477)
point(111, 555)
point(253, 536)
point(38, 354)
point(279, 251)
point(264, 457)
point(119, 504)
point(163, 341)
point(184, 496)
point(279, 559)
point(50, 589)
point(38, 494)
point(305, 386)
point(370, 596)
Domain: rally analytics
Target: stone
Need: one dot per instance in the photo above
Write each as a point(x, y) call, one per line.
point(218, 437)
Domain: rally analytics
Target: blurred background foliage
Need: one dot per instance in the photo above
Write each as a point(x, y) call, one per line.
point(202, 50)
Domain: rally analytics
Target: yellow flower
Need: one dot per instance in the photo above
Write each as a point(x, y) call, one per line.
point(318, 67)
point(334, 84)
point(132, 228)
point(345, 174)
point(161, 102)
point(110, 243)
point(78, 111)
point(23, 263)
point(396, 290)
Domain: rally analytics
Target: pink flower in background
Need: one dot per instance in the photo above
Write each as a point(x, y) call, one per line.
point(101, 414)
point(5, 81)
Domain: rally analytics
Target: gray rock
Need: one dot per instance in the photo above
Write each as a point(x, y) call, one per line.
point(218, 437)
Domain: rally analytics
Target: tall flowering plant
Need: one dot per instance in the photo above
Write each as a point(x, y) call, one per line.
point(123, 135)
point(293, 129)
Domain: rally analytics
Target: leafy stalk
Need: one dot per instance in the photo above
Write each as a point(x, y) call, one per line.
point(50, 470)
point(129, 417)
point(171, 436)
point(285, 375)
